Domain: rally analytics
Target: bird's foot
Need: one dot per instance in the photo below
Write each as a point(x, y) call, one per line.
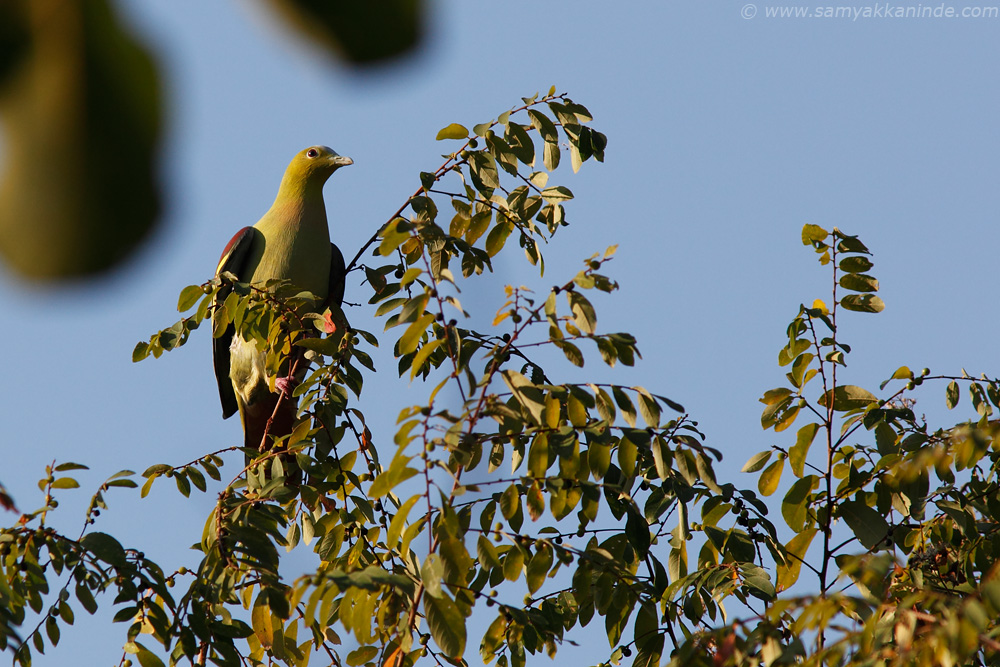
point(285, 385)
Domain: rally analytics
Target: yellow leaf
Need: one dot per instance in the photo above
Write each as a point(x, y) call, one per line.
point(261, 619)
point(552, 407)
point(420, 357)
point(501, 316)
point(768, 481)
point(788, 573)
point(577, 411)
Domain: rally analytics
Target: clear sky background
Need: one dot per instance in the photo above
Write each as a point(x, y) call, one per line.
point(726, 135)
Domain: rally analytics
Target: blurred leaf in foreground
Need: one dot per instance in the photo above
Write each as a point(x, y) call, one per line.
point(79, 98)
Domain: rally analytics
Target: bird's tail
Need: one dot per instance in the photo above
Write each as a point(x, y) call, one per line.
point(255, 423)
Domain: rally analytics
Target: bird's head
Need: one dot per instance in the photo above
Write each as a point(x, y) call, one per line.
point(316, 163)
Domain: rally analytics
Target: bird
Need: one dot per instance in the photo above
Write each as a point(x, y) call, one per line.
point(290, 242)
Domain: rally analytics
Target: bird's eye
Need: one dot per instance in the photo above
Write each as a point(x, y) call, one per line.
point(312, 152)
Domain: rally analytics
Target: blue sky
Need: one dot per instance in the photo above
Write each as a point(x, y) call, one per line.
point(725, 136)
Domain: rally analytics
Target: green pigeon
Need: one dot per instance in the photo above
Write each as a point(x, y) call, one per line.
point(291, 242)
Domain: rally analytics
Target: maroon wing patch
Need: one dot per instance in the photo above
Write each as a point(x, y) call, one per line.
point(233, 260)
point(239, 238)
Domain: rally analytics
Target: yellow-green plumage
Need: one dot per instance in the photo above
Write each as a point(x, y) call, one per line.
point(290, 242)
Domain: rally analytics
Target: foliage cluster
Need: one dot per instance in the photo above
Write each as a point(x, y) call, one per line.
point(546, 505)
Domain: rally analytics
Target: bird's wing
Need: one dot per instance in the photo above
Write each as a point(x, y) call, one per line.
point(233, 260)
point(338, 278)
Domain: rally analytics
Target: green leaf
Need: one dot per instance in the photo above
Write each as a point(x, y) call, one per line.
point(583, 313)
point(184, 486)
point(140, 352)
point(773, 396)
point(791, 352)
point(757, 461)
point(427, 180)
point(848, 397)
point(797, 453)
point(952, 394)
point(189, 296)
point(329, 346)
point(498, 237)
point(65, 467)
point(361, 655)
point(705, 472)
point(478, 226)
point(990, 592)
point(859, 282)
point(677, 562)
point(196, 478)
point(572, 352)
point(868, 525)
point(538, 455)
point(628, 454)
point(795, 506)
point(557, 194)
point(520, 142)
point(389, 305)
point(147, 658)
point(510, 502)
point(648, 408)
point(487, 553)
point(863, 303)
point(855, 264)
point(599, 459)
point(538, 568)
point(513, 564)
point(52, 630)
point(625, 404)
point(446, 624)
point(453, 131)
point(86, 598)
point(799, 369)
point(576, 411)
point(756, 578)
point(484, 173)
point(432, 574)
point(526, 393)
point(544, 125)
point(493, 639)
point(851, 244)
point(660, 457)
point(65, 483)
point(551, 155)
point(777, 414)
point(393, 236)
point(105, 548)
point(637, 531)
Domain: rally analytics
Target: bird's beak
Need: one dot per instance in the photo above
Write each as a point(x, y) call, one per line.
point(341, 161)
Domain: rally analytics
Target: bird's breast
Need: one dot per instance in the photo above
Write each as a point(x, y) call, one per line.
point(297, 249)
